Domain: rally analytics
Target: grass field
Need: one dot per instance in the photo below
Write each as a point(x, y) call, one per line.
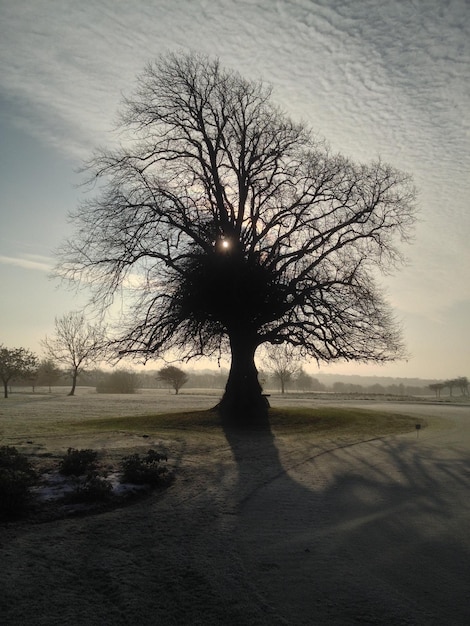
point(49, 422)
point(169, 558)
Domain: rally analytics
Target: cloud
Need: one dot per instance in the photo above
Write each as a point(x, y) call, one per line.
point(388, 79)
point(29, 262)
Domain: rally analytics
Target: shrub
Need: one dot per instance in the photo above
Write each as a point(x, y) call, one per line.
point(16, 477)
point(78, 462)
point(120, 381)
point(92, 489)
point(144, 470)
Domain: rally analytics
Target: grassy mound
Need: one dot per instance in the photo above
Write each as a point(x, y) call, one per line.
point(335, 421)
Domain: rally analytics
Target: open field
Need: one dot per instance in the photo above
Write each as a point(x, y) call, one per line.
point(341, 521)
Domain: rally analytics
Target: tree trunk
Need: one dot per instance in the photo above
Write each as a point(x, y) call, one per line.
point(74, 383)
point(5, 390)
point(243, 404)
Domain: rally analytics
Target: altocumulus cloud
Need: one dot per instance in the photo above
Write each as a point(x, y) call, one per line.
point(377, 79)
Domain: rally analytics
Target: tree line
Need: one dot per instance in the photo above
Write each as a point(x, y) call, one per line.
point(460, 384)
point(21, 367)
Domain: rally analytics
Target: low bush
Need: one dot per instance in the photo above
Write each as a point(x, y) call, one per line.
point(144, 470)
point(16, 477)
point(78, 462)
point(93, 488)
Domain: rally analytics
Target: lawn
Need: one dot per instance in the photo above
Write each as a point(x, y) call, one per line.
point(173, 556)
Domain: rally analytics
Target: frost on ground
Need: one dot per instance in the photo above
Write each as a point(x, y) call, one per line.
point(266, 529)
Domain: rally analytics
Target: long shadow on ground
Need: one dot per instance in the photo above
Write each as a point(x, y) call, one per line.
point(259, 530)
point(369, 533)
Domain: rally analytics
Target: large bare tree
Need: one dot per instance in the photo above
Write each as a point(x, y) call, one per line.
point(228, 225)
point(76, 344)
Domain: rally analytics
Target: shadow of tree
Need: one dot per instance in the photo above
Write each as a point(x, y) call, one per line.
point(260, 528)
point(375, 532)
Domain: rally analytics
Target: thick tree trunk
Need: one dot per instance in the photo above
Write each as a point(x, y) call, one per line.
point(74, 383)
point(243, 404)
point(5, 390)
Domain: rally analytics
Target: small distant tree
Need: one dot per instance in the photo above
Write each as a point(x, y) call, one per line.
point(437, 388)
point(48, 373)
point(303, 381)
point(76, 345)
point(281, 362)
point(450, 384)
point(173, 376)
point(16, 363)
point(462, 384)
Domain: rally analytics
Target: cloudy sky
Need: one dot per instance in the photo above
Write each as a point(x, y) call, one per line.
point(377, 78)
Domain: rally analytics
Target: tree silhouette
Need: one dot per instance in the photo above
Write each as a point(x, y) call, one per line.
point(76, 344)
point(16, 363)
point(282, 362)
point(173, 376)
point(230, 226)
point(48, 373)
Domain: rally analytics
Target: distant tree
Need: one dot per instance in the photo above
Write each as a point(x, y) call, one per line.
point(119, 381)
point(437, 388)
point(339, 387)
point(462, 384)
point(48, 373)
point(173, 376)
point(243, 228)
point(450, 383)
point(281, 361)
point(377, 389)
point(303, 381)
point(76, 344)
point(16, 363)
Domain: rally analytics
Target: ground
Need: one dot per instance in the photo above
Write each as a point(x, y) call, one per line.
point(265, 529)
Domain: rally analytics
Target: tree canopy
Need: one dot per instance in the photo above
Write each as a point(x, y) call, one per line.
point(16, 363)
point(173, 376)
point(228, 225)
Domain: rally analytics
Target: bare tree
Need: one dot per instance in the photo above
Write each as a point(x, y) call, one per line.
point(76, 344)
point(462, 384)
point(16, 363)
point(173, 376)
point(231, 226)
point(282, 362)
point(437, 388)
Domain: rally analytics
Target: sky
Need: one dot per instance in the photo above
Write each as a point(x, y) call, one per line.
point(376, 78)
